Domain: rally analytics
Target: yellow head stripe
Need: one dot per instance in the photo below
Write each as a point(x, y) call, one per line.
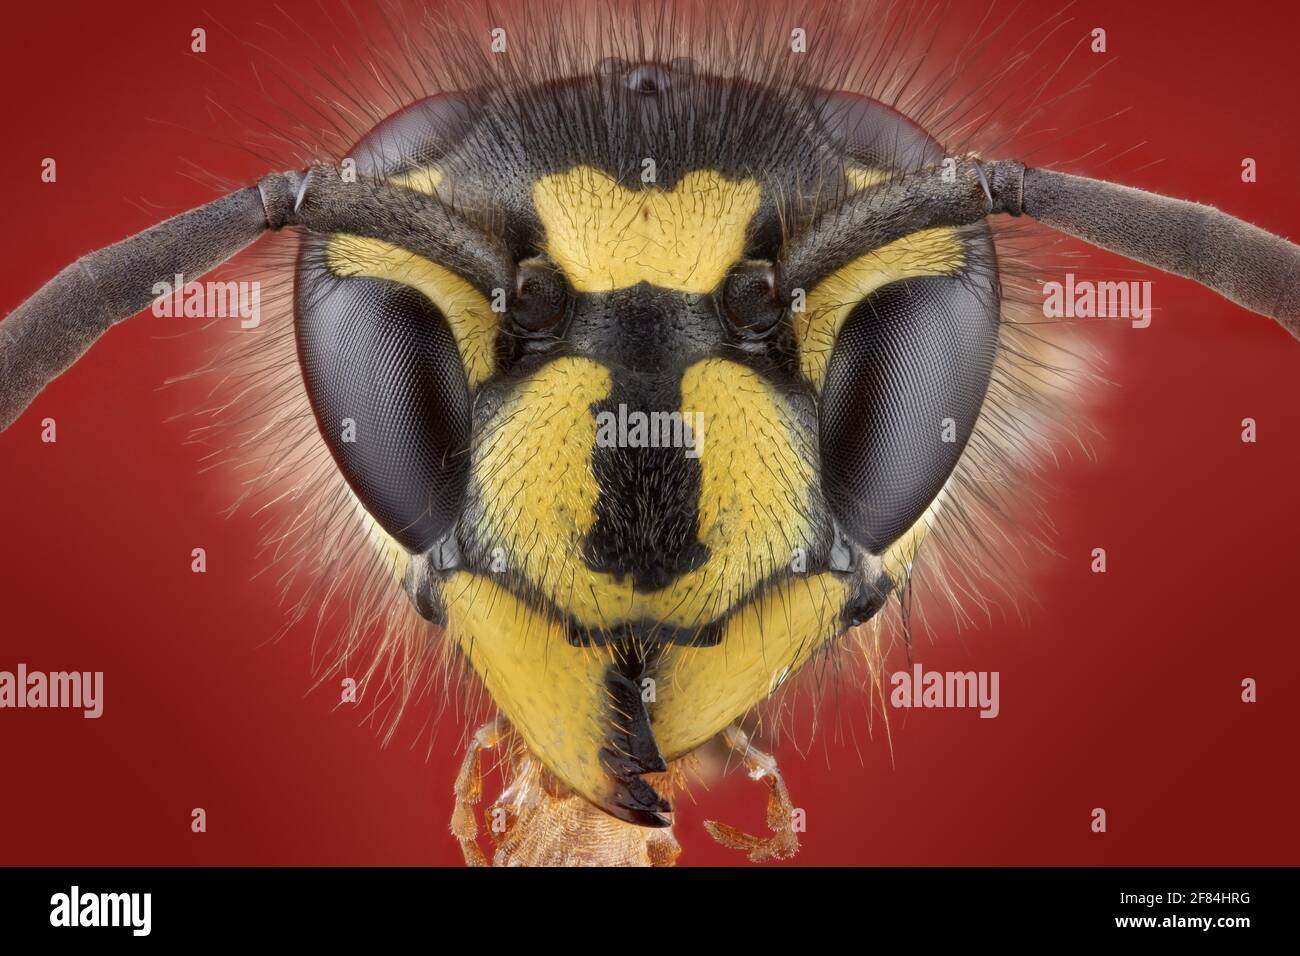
point(605, 236)
point(930, 252)
point(426, 180)
point(861, 177)
point(926, 253)
point(473, 324)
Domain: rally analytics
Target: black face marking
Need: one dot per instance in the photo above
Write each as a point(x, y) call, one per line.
point(644, 633)
point(647, 515)
point(645, 329)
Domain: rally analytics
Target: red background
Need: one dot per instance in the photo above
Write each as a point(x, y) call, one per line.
point(1118, 690)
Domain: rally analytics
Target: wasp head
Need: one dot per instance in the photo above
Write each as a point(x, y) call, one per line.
point(644, 481)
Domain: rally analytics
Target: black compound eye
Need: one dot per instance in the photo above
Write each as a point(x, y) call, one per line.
point(386, 383)
point(541, 297)
point(904, 386)
point(749, 299)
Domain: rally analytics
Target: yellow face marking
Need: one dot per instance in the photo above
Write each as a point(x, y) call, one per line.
point(552, 692)
point(930, 252)
point(699, 691)
point(605, 236)
point(756, 474)
point(468, 313)
point(536, 493)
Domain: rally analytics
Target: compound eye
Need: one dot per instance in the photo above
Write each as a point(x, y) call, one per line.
point(386, 383)
point(904, 386)
point(541, 297)
point(749, 299)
